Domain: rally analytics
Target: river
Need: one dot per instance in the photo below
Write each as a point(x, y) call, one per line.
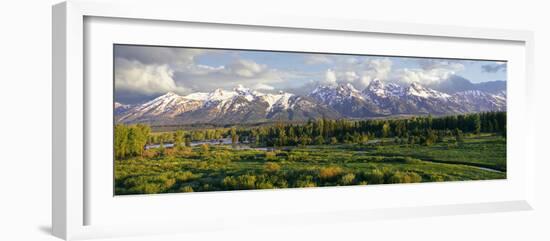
point(224, 141)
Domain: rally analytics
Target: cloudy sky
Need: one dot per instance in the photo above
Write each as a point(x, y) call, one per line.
point(144, 72)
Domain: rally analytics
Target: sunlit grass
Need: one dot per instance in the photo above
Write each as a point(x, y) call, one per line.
point(220, 168)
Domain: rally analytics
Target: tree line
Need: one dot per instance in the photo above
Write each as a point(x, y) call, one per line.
point(424, 129)
point(130, 140)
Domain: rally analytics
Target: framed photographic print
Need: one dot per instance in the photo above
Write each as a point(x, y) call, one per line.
point(201, 122)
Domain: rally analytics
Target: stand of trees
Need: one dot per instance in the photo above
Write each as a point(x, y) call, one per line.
point(130, 140)
point(424, 130)
point(188, 136)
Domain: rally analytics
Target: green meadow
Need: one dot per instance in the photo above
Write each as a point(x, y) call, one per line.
point(386, 161)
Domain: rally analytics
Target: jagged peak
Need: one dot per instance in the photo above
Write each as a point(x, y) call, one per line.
point(393, 85)
point(166, 97)
point(322, 88)
point(416, 89)
point(376, 87)
point(170, 93)
point(346, 86)
point(376, 83)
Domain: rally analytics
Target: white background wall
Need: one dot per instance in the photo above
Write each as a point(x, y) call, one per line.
point(25, 119)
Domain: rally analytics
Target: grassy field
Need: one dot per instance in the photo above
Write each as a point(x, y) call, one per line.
point(220, 167)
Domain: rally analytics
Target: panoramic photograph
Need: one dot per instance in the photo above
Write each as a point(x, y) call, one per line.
point(203, 119)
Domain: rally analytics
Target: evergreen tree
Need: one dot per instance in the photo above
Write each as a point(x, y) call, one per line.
point(178, 139)
point(385, 130)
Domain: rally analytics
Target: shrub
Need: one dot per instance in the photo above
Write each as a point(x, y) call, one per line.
point(305, 184)
point(414, 177)
point(375, 177)
point(183, 151)
point(149, 188)
point(240, 182)
point(405, 177)
point(205, 148)
point(436, 178)
point(168, 183)
point(169, 152)
point(347, 179)
point(271, 167)
point(306, 181)
point(185, 176)
point(149, 153)
point(264, 185)
point(246, 181)
point(270, 155)
point(186, 189)
point(149, 184)
point(397, 177)
point(229, 182)
point(298, 156)
point(282, 183)
point(329, 172)
point(410, 160)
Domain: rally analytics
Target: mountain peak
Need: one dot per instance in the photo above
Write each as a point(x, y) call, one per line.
point(347, 87)
point(415, 89)
point(377, 87)
point(167, 97)
point(334, 101)
point(241, 88)
point(376, 82)
point(170, 93)
point(416, 85)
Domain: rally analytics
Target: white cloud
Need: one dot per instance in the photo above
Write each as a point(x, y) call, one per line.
point(361, 72)
point(262, 86)
point(379, 68)
point(330, 77)
point(147, 79)
point(245, 68)
point(175, 57)
point(240, 71)
point(156, 70)
point(431, 71)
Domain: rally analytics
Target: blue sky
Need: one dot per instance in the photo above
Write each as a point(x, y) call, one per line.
point(145, 71)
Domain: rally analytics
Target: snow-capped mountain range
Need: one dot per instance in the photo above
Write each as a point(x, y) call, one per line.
point(243, 105)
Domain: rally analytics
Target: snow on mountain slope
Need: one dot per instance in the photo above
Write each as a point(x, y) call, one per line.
point(214, 104)
point(167, 105)
point(377, 88)
point(476, 100)
point(416, 89)
point(246, 105)
point(331, 95)
point(121, 108)
point(279, 101)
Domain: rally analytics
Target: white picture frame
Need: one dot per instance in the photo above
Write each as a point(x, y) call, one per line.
point(72, 190)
